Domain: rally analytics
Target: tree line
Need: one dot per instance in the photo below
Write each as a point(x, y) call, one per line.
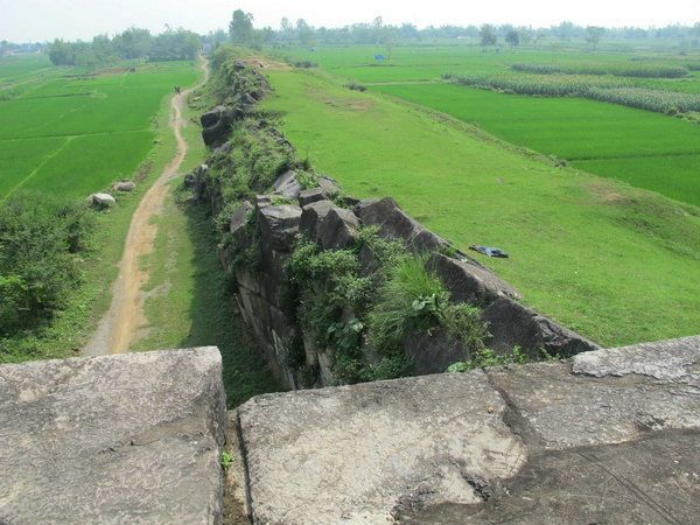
point(241, 31)
point(134, 43)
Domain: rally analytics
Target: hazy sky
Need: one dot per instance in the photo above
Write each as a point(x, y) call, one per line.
point(39, 20)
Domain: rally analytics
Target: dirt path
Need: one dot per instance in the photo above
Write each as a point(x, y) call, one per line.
point(120, 325)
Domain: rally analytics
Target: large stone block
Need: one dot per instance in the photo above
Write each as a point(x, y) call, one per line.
point(468, 281)
point(511, 324)
point(279, 226)
point(287, 185)
point(358, 454)
point(118, 439)
point(613, 396)
point(394, 223)
point(329, 225)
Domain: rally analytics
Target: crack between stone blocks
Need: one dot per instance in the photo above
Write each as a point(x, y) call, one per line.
point(244, 459)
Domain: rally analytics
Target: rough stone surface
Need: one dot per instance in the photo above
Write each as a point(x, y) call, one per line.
point(546, 443)
point(512, 324)
point(279, 225)
point(112, 440)
point(663, 360)
point(125, 186)
point(287, 185)
point(566, 410)
point(654, 480)
point(470, 282)
point(331, 226)
point(432, 353)
point(310, 196)
point(240, 216)
point(104, 200)
point(357, 454)
point(394, 223)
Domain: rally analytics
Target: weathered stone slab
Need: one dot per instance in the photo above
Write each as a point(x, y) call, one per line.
point(356, 454)
point(654, 480)
point(287, 185)
point(663, 360)
point(116, 439)
point(560, 409)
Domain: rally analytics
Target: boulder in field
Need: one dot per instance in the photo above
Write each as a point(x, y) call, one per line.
point(102, 200)
point(126, 185)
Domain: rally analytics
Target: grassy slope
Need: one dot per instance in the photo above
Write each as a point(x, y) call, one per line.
point(73, 327)
point(578, 130)
point(618, 264)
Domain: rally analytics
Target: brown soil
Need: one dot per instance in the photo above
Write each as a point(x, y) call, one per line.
point(119, 327)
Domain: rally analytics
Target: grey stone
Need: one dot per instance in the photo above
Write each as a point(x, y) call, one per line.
point(432, 353)
point(310, 196)
point(329, 225)
point(468, 281)
point(279, 226)
point(662, 360)
point(329, 186)
point(239, 218)
point(125, 186)
point(354, 454)
point(103, 200)
point(654, 480)
point(512, 324)
point(394, 223)
point(287, 185)
point(119, 439)
point(560, 410)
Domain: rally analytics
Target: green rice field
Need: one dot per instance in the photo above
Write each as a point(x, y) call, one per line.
point(72, 132)
point(643, 148)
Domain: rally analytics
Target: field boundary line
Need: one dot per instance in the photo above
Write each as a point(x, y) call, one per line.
point(48, 158)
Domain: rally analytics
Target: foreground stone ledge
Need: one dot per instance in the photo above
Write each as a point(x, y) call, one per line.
point(132, 439)
point(358, 454)
point(610, 436)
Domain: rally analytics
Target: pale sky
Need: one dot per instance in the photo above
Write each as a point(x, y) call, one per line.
point(41, 20)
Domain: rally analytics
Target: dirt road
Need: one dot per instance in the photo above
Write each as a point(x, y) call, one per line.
point(119, 327)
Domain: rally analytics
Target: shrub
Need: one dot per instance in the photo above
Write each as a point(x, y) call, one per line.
point(40, 240)
point(354, 86)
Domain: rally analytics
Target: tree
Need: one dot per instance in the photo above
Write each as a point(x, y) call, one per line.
point(305, 33)
point(513, 38)
point(61, 53)
point(593, 35)
point(133, 43)
point(488, 35)
point(241, 27)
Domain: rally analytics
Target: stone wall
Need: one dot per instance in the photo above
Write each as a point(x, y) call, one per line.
point(272, 229)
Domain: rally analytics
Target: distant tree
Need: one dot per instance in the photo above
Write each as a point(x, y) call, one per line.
point(695, 32)
point(513, 38)
point(103, 50)
point(565, 31)
point(61, 53)
point(593, 35)
point(241, 28)
point(305, 33)
point(175, 45)
point(409, 31)
point(133, 43)
point(488, 36)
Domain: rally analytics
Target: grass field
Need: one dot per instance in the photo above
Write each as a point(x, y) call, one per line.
point(612, 140)
point(648, 150)
point(618, 264)
point(71, 132)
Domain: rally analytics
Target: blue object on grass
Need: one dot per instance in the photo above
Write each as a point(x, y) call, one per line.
point(489, 251)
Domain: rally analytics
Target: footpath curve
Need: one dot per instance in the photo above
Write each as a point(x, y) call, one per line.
point(120, 325)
